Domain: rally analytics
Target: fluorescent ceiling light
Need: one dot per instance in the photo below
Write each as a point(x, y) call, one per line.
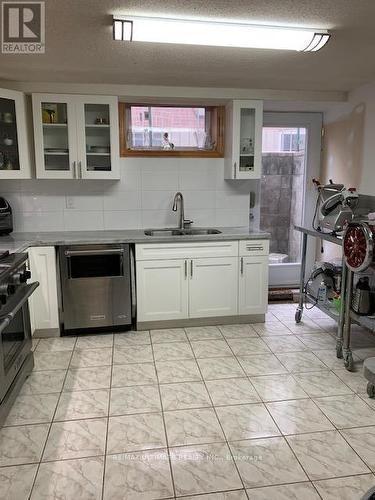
point(181, 31)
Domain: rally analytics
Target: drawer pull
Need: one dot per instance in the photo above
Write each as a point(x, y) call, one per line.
point(241, 266)
point(251, 249)
point(185, 269)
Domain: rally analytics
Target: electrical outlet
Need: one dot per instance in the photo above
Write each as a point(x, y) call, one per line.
point(69, 202)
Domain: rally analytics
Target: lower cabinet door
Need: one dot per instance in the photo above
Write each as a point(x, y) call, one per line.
point(44, 313)
point(162, 290)
point(213, 286)
point(253, 285)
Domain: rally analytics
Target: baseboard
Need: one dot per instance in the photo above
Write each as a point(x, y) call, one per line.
point(46, 333)
point(219, 320)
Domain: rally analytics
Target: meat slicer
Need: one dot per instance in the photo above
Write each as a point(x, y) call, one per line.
point(334, 207)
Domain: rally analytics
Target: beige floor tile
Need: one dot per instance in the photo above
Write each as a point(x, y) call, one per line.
point(218, 368)
point(211, 349)
point(132, 338)
point(22, 444)
point(345, 488)
point(183, 370)
point(84, 358)
point(326, 454)
point(196, 426)
point(261, 364)
point(346, 411)
point(322, 383)
point(184, 395)
point(168, 335)
point(84, 379)
point(134, 374)
point(135, 433)
point(70, 479)
point(76, 439)
point(362, 440)
point(35, 409)
point(172, 351)
point(137, 399)
point(278, 387)
point(95, 341)
point(82, 404)
point(138, 476)
point(44, 382)
point(246, 422)
point(296, 491)
point(237, 331)
point(203, 333)
point(266, 462)
point(132, 354)
point(231, 391)
point(16, 482)
point(300, 362)
point(245, 347)
point(298, 416)
point(203, 469)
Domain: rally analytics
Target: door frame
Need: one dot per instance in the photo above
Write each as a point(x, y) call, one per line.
point(288, 274)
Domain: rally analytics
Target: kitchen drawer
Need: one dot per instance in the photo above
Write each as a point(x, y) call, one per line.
point(159, 251)
point(254, 247)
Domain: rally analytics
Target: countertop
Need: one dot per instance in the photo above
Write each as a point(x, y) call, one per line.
point(19, 242)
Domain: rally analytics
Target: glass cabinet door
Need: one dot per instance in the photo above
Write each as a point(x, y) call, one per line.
point(9, 147)
point(55, 136)
point(247, 140)
point(98, 137)
point(98, 131)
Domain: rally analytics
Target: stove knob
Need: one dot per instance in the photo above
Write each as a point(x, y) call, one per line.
point(5, 290)
point(26, 275)
point(16, 278)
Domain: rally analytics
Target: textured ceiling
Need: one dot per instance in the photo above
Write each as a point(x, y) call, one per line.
point(79, 46)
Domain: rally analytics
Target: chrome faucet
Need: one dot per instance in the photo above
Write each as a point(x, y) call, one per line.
point(183, 223)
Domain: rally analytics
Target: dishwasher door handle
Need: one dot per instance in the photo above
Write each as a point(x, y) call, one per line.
point(106, 251)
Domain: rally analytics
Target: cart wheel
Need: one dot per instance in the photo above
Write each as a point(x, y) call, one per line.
point(298, 315)
point(348, 362)
point(339, 350)
point(370, 390)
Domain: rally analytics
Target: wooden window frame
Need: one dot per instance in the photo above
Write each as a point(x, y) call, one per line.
point(217, 127)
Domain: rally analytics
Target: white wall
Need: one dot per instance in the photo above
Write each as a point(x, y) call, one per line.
point(142, 198)
point(363, 171)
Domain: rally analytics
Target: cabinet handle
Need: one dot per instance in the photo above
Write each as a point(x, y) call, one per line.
point(252, 249)
point(191, 268)
point(235, 170)
point(185, 269)
point(75, 170)
point(80, 169)
point(241, 266)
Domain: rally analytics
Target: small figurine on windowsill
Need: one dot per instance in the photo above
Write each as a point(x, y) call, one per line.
point(166, 142)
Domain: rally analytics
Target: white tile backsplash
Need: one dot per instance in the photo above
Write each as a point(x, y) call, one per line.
point(141, 199)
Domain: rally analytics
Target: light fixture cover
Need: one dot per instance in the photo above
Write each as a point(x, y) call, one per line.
point(193, 32)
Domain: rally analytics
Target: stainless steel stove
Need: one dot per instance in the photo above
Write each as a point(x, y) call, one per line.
point(16, 358)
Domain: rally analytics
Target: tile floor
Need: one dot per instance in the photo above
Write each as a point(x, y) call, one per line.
point(262, 411)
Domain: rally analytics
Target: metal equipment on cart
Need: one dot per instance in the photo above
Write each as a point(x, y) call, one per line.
point(334, 207)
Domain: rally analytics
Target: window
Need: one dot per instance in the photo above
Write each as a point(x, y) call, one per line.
point(158, 130)
point(283, 140)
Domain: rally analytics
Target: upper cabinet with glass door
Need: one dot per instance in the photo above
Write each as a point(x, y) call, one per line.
point(15, 160)
point(98, 137)
point(76, 137)
point(243, 146)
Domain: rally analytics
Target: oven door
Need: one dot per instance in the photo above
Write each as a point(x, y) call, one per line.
point(15, 336)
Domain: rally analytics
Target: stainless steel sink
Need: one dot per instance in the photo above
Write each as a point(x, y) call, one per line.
point(181, 232)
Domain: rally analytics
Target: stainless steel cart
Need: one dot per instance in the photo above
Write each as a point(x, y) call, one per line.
point(343, 317)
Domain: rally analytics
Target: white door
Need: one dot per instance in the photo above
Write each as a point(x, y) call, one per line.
point(55, 135)
point(291, 148)
point(162, 290)
point(213, 287)
point(98, 137)
point(253, 285)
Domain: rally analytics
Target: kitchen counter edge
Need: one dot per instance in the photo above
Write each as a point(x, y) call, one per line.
point(20, 242)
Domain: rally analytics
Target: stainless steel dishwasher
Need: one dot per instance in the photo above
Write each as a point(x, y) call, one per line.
point(95, 286)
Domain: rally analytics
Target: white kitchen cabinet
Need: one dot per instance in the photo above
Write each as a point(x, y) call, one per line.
point(76, 136)
point(43, 303)
point(162, 290)
point(15, 160)
point(243, 139)
point(253, 285)
point(213, 287)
